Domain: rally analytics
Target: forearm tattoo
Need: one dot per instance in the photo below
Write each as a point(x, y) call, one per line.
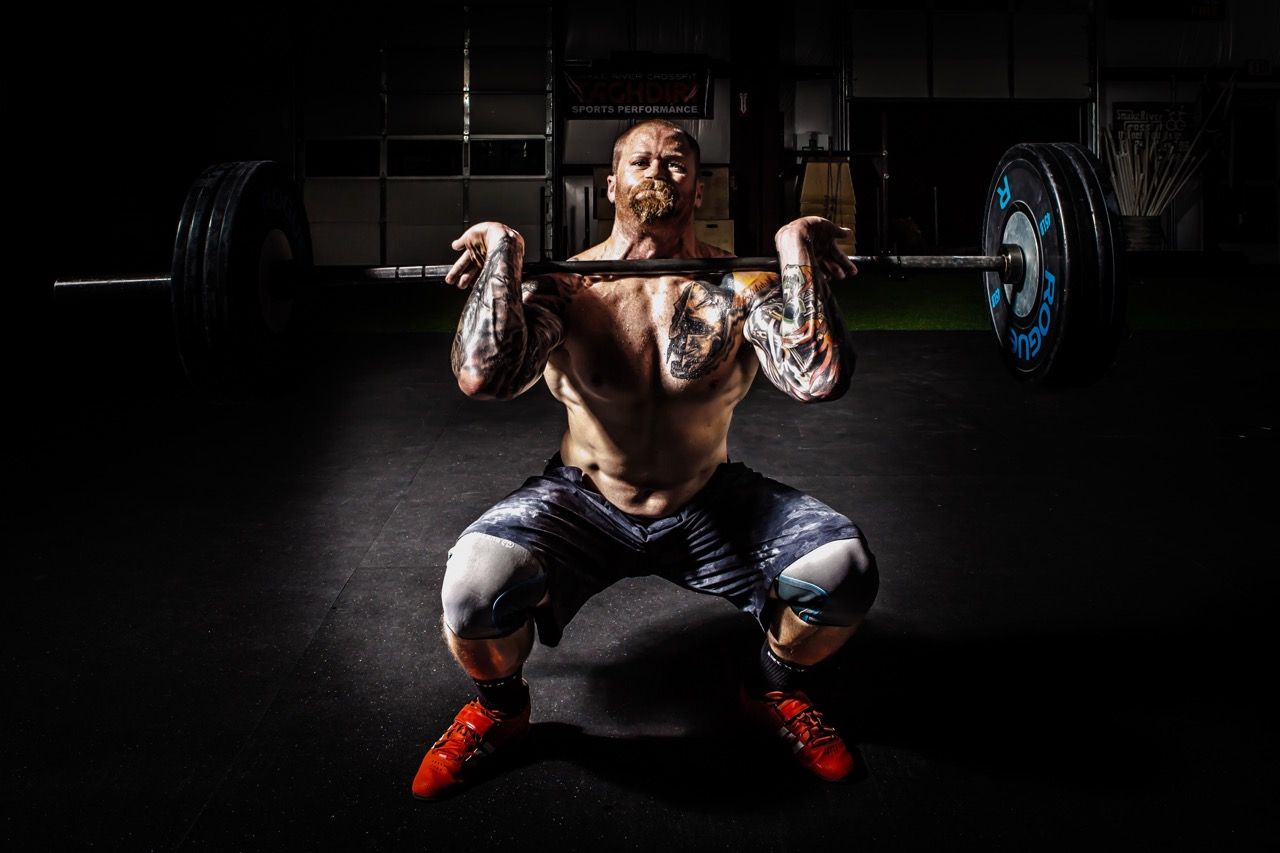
point(507, 331)
point(801, 339)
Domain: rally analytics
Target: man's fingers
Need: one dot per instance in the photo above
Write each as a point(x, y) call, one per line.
point(458, 268)
point(847, 265)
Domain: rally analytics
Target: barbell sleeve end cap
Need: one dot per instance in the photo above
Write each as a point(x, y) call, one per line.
point(1015, 265)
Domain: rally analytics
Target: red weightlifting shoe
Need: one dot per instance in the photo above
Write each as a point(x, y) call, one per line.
point(792, 717)
point(464, 749)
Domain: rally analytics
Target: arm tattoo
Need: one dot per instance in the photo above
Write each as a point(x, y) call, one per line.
point(800, 336)
point(507, 332)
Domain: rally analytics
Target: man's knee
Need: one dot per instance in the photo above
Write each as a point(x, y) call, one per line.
point(834, 584)
point(490, 587)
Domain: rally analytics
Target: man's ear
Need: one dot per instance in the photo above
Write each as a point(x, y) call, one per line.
point(697, 196)
point(612, 192)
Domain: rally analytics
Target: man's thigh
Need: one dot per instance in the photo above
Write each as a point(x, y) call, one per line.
point(744, 531)
point(570, 531)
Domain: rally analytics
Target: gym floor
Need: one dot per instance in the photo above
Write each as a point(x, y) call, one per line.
point(222, 630)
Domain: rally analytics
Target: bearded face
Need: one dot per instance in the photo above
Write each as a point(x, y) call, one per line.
point(652, 199)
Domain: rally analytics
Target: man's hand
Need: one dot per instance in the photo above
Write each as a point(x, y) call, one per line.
point(475, 244)
point(811, 241)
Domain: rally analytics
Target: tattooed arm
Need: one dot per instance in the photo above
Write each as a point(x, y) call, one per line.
point(507, 331)
point(795, 325)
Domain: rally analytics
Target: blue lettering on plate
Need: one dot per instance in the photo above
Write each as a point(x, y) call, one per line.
point(1004, 193)
point(1045, 223)
point(995, 297)
point(1027, 344)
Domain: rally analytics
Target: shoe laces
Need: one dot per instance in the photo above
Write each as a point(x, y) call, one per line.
point(458, 740)
point(811, 728)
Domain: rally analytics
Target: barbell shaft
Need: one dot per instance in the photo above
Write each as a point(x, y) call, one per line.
point(114, 286)
point(670, 266)
point(334, 275)
point(242, 256)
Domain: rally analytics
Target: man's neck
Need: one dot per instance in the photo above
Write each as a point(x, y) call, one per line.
point(633, 240)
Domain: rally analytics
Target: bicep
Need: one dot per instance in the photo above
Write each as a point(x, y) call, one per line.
point(763, 330)
point(545, 302)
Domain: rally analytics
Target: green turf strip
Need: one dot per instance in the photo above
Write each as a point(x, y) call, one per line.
point(873, 301)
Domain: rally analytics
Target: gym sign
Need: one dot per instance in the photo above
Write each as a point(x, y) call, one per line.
point(650, 87)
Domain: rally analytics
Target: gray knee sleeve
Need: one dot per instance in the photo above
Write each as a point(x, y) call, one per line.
point(490, 587)
point(834, 584)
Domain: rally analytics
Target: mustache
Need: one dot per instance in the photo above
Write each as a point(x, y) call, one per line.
point(660, 201)
point(655, 185)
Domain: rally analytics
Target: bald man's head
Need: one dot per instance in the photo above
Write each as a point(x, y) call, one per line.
point(619, 144)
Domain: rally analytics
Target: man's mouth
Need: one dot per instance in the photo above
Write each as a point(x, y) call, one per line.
point(652, 200)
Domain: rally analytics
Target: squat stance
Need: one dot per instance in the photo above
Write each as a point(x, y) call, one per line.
point(649, 370)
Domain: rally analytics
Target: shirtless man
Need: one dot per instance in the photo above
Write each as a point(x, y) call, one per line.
point(650, 370)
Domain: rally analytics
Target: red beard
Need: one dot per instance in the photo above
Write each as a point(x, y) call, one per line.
point(658, 201)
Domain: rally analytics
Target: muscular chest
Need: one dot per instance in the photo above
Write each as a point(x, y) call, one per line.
point(672, 335)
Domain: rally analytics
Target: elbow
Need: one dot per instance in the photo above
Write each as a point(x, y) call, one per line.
point(829, 387)
point(478, 387)
point(827, 393)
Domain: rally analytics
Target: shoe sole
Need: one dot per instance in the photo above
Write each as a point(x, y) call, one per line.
point(484, 772)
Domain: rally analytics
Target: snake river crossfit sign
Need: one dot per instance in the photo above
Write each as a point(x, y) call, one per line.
point(653, 89)
point(1173, 125)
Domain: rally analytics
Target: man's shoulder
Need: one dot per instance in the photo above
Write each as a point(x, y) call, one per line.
point(592, 254)
point(706, 250)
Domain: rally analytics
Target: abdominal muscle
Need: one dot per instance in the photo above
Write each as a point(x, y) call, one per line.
point(645, 440)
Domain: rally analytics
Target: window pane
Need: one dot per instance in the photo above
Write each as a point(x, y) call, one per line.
point(507, 201)
point(411, 157)
point(508, 114)
point(425, 113)
point(418, 70)
point(345, 158)
point(508, 68)
point(509, 25)
point(332, 69)
point(329, 114)
point(508, 157)
point(341, 199)
point(425, 203)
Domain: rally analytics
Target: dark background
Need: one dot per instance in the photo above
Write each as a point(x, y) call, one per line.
point(189, 645)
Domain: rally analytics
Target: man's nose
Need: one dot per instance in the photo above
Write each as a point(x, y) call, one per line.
point(656, 168)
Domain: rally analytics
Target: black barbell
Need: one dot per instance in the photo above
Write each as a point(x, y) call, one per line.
point(242, 258)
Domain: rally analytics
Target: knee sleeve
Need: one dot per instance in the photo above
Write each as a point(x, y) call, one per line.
point(834, 584)
point(490, 587)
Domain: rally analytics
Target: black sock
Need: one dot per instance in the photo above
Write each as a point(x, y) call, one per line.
point(774, 673)
point(505, 695)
